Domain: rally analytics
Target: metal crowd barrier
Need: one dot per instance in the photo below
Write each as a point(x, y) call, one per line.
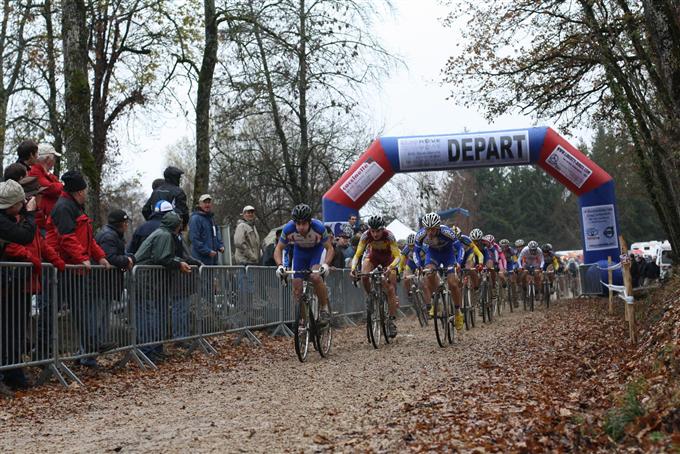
point(79, 314)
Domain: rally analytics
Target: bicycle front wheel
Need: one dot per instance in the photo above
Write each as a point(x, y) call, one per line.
point(450, 319)
point(384, 317)
point(418, 306)
point(441, 319)
point(301, 333)
point(532, 296)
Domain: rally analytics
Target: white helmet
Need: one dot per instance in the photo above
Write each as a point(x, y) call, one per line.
point(476, 235)
point(519, 243)
point(456, 231)
point(533, 245)
point(411, 239)
point(431, 220)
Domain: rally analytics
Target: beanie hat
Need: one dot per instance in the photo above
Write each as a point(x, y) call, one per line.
point(11, 192)
point(117, 216)
point(31, 186)
point(73, 181)
point(163, 206)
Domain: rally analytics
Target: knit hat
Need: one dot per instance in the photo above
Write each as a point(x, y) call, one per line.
point(117, 216)
point(73, 181)
point(11, 192)
point(31, 186)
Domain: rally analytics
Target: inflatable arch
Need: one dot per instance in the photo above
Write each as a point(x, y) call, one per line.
point(541, 146)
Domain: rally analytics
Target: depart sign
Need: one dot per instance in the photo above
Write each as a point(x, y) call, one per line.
point(464, 150)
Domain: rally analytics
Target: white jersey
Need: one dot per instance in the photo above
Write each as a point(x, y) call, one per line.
point(528, 258)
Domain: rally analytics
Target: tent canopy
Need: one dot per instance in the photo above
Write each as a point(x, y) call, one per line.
point(399, 229)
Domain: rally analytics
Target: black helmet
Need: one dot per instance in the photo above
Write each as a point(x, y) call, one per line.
point(173, 174)
point(376, 222)
point(301, 213)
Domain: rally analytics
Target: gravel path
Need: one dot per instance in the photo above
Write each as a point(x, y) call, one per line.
point(264, 401)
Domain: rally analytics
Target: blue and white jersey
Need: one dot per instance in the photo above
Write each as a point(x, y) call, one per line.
point(444, 242)
point(315, 236)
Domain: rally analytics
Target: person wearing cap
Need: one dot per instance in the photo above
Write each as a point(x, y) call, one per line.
point(171, 191)
point(17, 225)
point(143, 231)
point(111, 238)
point(205, 236)
point(42, 170)
point(247, 239)
point(27, 154)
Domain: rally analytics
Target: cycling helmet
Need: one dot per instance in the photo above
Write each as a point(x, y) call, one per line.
point(376, 222)
point(456, 231)
point(347, 231)
point(547, 247)
point(476, 235)
point(519, 243)
point(411, 239)
point(301, 213)
point(431, 220)
point(489, 238)
point(504, 242)
point(532, 245)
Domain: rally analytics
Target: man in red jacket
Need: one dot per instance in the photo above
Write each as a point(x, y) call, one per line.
point(69, 232)
point(42, 170)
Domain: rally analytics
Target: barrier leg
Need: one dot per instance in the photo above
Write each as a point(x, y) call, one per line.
point(249, 336)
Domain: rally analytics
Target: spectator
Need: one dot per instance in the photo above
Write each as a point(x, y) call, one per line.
point(171, 191)
point(363, 228)
point(652, 272)
point(14, 172)
point(344, 246)
point(160, 248)
point(340, 246)
point(146, 229)
point(17, 225)
point(352, 221)
point(268, 254)
point(69, 232)
point(28, 154)
point(34, 252)
point(246, 239)
point(205, 236)
point(111, 238)
point(635, 269)
point(157, 183)
point(42, 170)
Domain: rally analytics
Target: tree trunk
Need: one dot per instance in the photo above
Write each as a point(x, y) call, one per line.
point(205, 80)
point(302, 106)
point(3, 124)
point(77, 139)
point(53, 111)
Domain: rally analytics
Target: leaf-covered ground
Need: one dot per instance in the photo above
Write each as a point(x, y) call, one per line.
point(565, 379)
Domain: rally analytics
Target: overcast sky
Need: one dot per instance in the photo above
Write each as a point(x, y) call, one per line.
point(409, 101)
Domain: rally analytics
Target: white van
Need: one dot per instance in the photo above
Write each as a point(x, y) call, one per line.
point(663, 253)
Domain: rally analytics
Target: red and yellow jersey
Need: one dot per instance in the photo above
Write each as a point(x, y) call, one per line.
point(378, 250)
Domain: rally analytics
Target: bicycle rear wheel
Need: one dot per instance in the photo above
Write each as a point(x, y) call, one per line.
point(420, 311)
point(441, 318)
point(373, 321)
point(500, 299)
point(532, 296)
point(467, 310)
point(301, 333)
point(484, 301)
point(546, 294)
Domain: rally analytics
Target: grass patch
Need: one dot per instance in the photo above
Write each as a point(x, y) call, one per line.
point(630, 408)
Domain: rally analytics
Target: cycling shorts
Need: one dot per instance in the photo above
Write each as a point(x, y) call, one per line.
point(304, 258)
point(437, 258)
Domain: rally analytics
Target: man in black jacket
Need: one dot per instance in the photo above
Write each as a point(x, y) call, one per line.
point(172, 192)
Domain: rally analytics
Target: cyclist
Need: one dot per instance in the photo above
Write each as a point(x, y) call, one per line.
point(510, 266)
point(309, 239)
point(443, 248)
point(472, 256)
point(494, 259)
point(550, 260)
point(407, 267)
point(531, 256)
point(381, 249)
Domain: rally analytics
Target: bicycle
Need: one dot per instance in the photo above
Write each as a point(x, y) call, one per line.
point(307, 327)
point(545, 285)
point(376, 309)
point(484, 297)
point(469, 305)
point(415, 297)
point(444, 312)
point(529, 294)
